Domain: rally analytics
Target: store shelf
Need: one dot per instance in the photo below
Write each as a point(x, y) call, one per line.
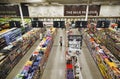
point(22, 62)
point(34, 66)
point(55, 66)
point(107, 63)
point(14, 52)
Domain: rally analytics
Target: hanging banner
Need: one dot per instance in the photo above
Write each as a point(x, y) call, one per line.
point(80, 10)
point(9, 11)
point(74, 42)
point(13, 10)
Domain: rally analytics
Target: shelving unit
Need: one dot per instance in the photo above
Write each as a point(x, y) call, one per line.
point(106, 61)
point(36, 66)
point(14, 52)
point(72, 61)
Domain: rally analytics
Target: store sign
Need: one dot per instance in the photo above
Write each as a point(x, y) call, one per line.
point(76, 37)
point(9, 11)
point(48, 23)
point(6, 10)
point(80, 10)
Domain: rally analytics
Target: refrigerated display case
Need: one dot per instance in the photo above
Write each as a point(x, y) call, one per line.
point(12, 36)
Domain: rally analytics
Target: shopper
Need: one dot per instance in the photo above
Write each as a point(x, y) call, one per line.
point(80, 68)
point(41, 36)
point(60, 40)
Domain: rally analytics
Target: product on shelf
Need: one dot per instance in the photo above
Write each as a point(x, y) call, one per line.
point(12, 36)
point(12, 53)
point(2, 42)
point(34, 67)
point(106, 61)
point(72, 66)
point(72, 52)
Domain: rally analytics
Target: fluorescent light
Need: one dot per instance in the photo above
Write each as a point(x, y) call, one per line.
point(35, 0)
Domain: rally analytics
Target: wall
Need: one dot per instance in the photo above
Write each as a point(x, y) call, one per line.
point(46, 11)
point(110, 10)
point(58, 11)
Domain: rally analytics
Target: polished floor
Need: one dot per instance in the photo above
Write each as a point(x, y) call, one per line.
point(55, 66)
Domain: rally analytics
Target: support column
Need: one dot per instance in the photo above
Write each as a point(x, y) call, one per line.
point(21, 15)
point(87, 10)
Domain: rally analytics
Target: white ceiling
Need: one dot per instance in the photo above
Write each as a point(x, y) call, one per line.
point(64, 1)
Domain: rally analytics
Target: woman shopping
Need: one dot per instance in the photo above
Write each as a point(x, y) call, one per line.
point(60, 40)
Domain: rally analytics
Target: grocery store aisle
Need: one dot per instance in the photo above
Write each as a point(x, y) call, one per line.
point(89, 68)
point(21, 63)
point(55, 67)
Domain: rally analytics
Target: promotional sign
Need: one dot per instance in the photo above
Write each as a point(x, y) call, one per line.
point(9, 10)
point(74, 42)
point(48, 23)
point(77, 37)
point(80, 10)
point(59, 24)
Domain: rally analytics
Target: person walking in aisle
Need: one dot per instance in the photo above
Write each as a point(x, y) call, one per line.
point(41, 36)
point(60, 40)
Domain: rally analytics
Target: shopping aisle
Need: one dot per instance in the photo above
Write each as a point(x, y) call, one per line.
point(55, 67)
point(21, 63)
point(89, 68)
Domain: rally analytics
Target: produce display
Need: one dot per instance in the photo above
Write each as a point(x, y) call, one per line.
point(4, 22)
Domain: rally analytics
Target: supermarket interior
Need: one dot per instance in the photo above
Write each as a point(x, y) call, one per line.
point(59, 39)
